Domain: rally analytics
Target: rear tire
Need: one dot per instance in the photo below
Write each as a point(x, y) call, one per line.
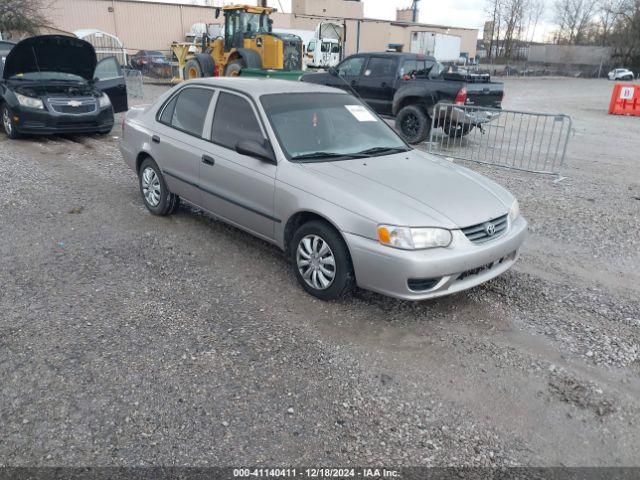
point(414, 124)
point(321, 261)
point(7, 122)
point(233, 68)
point(192, 70)
point(155, 193)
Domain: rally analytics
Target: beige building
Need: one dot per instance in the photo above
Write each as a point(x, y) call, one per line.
point(405, 15)
point(149, 25)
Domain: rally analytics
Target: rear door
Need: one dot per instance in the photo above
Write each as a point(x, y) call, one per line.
point(110, 80)
point(377, 83)
point(178, 142)
point(236, 187)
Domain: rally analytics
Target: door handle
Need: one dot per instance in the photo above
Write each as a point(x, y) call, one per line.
point(155, 139)
point(353, 83)
point(207, 160)
point(383, 84)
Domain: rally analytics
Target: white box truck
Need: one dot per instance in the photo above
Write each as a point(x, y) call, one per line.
point(445, 48)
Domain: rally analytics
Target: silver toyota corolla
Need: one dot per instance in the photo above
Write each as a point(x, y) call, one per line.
point(314, 171)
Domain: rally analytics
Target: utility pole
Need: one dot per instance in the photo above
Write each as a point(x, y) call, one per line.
point(414, 7)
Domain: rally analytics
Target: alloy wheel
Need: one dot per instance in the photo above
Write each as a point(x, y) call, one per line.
point(151, 186)
point(6, 121)
point(316, 262)
point(411, 124)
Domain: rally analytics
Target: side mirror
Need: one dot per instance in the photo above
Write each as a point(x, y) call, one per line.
point(333, 71)
point(251, 148)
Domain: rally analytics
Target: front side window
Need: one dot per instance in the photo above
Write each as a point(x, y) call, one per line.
point(187, 110)
point(335, 48)
point(312, 46)
point(323, 126)
point(233, 121)
point(326, 46)
point(351, 67)
point(108, 69)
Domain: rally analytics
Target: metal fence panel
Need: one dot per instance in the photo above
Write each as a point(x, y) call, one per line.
point(134, 82)
point(534, 142)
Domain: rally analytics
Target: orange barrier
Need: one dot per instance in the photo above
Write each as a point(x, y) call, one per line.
point(625, 99)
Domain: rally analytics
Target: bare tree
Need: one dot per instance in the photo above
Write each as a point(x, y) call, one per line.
point(22, 15)
point(575, 20)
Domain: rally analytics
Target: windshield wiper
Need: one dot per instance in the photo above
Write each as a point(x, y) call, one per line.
point(381, 150)
point(326, 155)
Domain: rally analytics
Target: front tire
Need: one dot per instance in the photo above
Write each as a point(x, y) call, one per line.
point(321, 261)
point(155, 194)
point(192, 70)
point(413, 124)
point(8, 123)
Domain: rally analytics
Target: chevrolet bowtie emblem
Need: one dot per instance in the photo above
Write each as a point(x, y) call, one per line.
point(74, 103)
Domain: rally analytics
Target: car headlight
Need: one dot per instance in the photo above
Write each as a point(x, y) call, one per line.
point(30, 102)
point(514, 211)
point(409, 238)
point(105, 101)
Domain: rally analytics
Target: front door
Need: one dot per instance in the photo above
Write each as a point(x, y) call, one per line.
point(377, 83)
point(349, 74)
point(238, 188)
point(110, 80)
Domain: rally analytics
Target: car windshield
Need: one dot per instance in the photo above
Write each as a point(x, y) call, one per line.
point(48, 76)
point(328, 126)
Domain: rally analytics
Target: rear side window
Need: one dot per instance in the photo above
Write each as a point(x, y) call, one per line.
point(187, 110)
point(233, 121)
point(414, 68)
point(381, 67)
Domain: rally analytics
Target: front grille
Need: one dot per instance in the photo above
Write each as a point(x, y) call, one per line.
point(482, 232)
point(422, 284)
point(292, 55)
point(72, 125)
point(71, 106)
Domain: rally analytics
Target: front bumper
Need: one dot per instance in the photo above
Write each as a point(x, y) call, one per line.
point(458, 267)
point(44, 122)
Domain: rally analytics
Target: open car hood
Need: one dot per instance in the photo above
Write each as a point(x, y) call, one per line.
point(51, 53)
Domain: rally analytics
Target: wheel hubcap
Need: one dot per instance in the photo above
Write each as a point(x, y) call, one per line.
point(316, 262)
point(6, 121)
point(151, 187)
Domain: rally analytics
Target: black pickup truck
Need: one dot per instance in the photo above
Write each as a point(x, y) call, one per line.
point(407, 86)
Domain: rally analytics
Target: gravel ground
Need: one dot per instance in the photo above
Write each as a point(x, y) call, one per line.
point(128, 339)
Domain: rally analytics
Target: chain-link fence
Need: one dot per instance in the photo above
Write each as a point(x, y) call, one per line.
point(534, 142)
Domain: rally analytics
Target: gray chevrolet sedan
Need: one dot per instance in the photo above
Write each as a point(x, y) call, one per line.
point(316, 172)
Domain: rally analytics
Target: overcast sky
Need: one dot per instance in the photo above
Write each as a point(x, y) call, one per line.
point(455, 13)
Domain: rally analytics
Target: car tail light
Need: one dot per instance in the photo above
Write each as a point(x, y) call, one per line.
point(216, 70)
point(461, 97)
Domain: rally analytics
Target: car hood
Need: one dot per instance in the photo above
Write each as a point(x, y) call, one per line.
point(51, 53)
point(416, 189)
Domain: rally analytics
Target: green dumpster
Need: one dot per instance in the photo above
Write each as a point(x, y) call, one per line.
point(281, 74)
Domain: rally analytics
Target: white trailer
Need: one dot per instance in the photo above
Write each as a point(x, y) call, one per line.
point(445, 48)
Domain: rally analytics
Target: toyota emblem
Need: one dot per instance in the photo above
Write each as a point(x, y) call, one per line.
point(490, 228)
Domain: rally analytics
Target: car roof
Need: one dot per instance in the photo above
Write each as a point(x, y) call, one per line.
point(256, 87)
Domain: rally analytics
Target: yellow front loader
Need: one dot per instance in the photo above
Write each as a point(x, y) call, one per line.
point(247, 43)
